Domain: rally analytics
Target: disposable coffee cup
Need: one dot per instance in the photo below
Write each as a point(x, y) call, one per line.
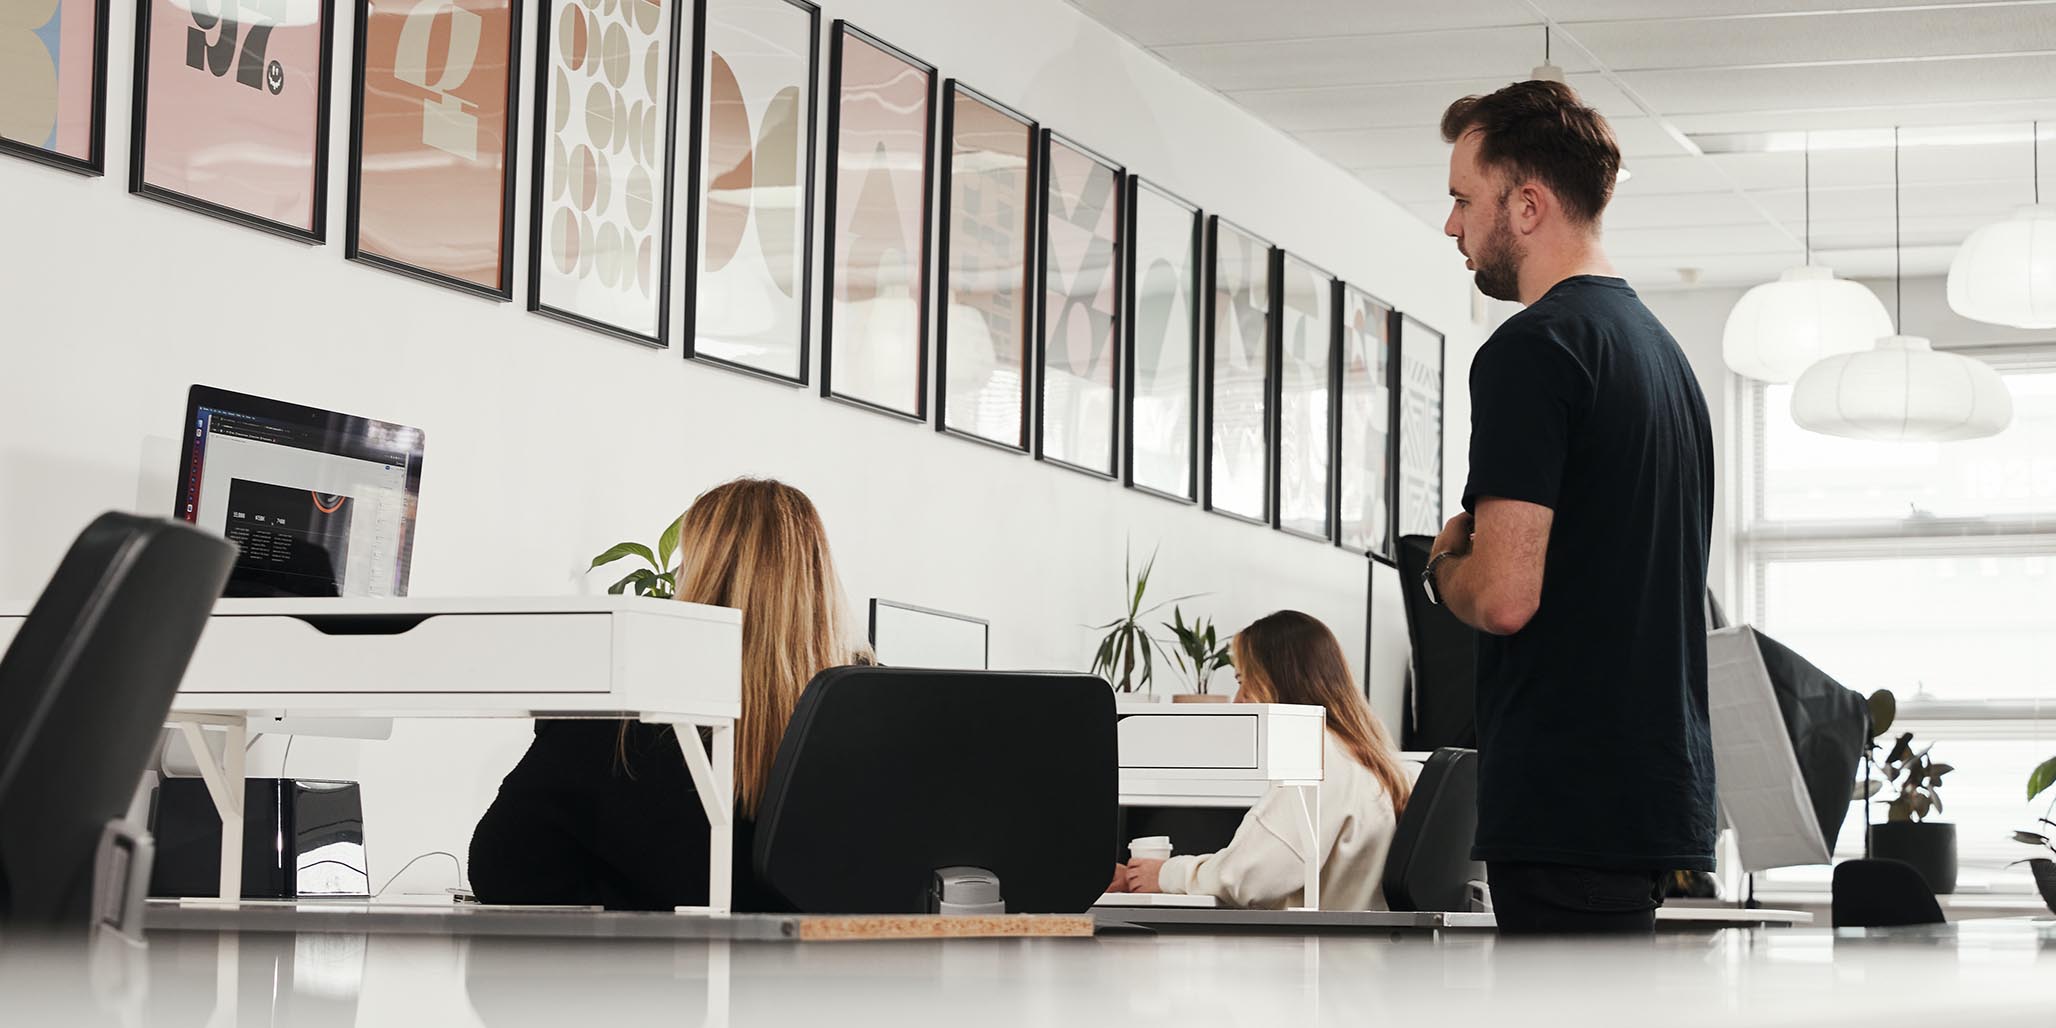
point(1150, 847)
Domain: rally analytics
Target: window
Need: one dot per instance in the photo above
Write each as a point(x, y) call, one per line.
point(1928, 569)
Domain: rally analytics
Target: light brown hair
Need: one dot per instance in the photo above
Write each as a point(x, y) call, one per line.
point(1290, 657)
point(758, 545)
point(1539, 130)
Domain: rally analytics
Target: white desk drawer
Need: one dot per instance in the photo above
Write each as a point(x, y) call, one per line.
point(496, 653)
point(1173, 741)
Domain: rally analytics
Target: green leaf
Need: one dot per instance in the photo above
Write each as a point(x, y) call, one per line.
point(1884, 709)
point(620, 550)
point(2041, 778)
point(1901, 750)
point(2031, 838)
point(1865, 790)
point(636, 577)
point(667, 543)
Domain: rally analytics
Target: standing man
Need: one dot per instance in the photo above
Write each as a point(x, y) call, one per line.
point(1582, 549)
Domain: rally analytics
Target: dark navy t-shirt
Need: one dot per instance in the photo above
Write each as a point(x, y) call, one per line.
point(1592, 727)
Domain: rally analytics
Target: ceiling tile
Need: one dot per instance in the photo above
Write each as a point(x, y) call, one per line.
point(1484, 54)
point(1169, 22)
point(1671, 43)
point(1421, 103)
point(1966, 79)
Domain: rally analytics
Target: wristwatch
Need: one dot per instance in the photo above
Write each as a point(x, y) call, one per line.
point(1428, 577)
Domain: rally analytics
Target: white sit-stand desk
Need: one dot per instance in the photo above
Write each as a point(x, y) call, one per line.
point(658, 661)
point(1225, 755)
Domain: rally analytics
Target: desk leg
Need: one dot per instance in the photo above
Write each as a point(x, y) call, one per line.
point(225, 786)
point(716, 786)
point(1310, 813)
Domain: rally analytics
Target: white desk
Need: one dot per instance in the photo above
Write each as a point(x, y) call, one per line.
point(659, 661)
point(1225, 755)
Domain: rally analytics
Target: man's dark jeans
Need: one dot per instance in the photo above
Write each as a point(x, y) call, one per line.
point(1561, 899)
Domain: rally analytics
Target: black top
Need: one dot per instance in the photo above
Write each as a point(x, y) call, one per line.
point(1592, 728)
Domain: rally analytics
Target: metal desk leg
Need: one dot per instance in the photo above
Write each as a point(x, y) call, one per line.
point(224, 780)
point(1310, 812)
point(716, 786)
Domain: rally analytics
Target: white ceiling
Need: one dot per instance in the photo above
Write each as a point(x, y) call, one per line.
point(1364, 82)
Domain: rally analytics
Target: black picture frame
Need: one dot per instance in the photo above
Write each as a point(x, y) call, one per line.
point(1130, 284)
point(838, 32)
point(871, 630)
point(1385, 550)
point(1210, 318)
point(1031, 310)
point(94, 164)
point(1051, 138)
point(696, 184)
point(317, 233)
point(352, 247)
point(544, 9)
point(1400, 342)
point(1330, 291)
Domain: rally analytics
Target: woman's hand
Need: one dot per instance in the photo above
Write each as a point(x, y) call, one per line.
point(1142, 875)
point(1120, 883)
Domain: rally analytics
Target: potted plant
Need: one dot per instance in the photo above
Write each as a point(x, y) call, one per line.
point(1199, 655)
point(2039, 781)
point(1909, 834)
point(660, 579)
point(1124, 656)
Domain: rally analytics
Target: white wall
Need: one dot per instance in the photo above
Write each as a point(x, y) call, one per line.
point(546, 443)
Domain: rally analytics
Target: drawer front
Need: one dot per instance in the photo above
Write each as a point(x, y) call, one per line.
point(1187, 741)
point(499, 653)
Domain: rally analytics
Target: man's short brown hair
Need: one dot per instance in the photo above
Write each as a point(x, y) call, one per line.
point(1540, 130)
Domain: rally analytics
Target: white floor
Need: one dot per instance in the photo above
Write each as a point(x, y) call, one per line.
point(1991, 972)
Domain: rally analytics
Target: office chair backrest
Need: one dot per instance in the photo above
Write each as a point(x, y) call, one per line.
point(84, 690)
point(1442, 706)
point(1882, 894)
point(1429, 867)
point(886, 776)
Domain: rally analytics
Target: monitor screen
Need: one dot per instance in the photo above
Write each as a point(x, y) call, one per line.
point(317, 503)
point(903, 635)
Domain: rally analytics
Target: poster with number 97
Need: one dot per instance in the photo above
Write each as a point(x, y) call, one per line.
point(432, 141)
point(232, 110)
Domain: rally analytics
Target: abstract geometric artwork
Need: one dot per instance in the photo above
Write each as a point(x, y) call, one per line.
point(53, 60)
point(982, 341)
point(1306, 367)
point(875, 332)
point(754, 196)
point(1163, 342)
point(232, 111)
point(1081, 304)
point(1420, 429)
point(1240, 301)
point(432, 144)
point(1365, 454)
point(600, 231)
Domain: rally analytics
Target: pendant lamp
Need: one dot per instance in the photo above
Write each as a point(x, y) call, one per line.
point(1902, 389)
point(1779, 329)
point(2005, 273)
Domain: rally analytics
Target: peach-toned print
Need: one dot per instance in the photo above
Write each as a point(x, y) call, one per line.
point(433, 173)
point(220, 138)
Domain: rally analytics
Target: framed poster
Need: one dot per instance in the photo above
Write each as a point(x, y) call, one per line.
point(1363, 443)
point(53, 82)
point(1418, 427)
point(1078, 424)
point(231, 115)
point(874, 326)
point(432, 141)
point(987, 257)
point(1240, 308)
point(1165, 237)
point(1305, 400)
point(749, 252)
point(600, 220)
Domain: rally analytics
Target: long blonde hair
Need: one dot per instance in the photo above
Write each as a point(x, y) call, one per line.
point(758, 545)
point(1290, 657)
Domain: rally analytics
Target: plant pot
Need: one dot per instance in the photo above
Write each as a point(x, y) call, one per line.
point(2045, 880)
point(1200, 697)
point(1929, 846)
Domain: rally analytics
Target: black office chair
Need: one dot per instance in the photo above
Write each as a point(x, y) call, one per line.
point(1882, 894)
point(1429, 867)
point(84, 690)
point(899, 791)
point(1441, 696)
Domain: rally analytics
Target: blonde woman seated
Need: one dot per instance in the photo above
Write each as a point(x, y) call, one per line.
point(1289, 657)
point(604, 813)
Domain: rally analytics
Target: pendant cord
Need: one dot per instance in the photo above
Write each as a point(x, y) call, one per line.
point(1807, 192)
point(1545, 44)
point(1898, 247)
point(2034, 142)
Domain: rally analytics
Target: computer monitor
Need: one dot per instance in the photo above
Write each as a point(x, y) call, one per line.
point(317, 503)
point(903, 635)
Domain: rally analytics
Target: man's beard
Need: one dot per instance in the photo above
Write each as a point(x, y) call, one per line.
point(1498, 262)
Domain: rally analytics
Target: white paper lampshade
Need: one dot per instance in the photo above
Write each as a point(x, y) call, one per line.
point(1902, 390)
point(1780, 329)
point(2005, 273)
